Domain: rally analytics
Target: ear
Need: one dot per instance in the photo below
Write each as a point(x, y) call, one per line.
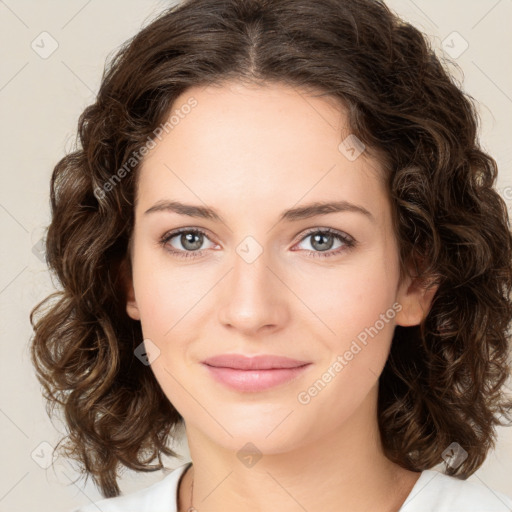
point(415, 297)
point(125, 271)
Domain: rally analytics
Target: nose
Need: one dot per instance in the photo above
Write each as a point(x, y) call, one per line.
point(253, 297)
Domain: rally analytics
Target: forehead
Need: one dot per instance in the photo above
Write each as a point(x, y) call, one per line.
point(241, 145)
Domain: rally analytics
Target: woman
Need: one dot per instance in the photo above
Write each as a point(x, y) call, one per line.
point(280, 233)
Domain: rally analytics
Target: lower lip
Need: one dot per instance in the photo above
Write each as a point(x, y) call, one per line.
point(254, 380)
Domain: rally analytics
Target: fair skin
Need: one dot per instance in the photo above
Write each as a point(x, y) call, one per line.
point(251, 153)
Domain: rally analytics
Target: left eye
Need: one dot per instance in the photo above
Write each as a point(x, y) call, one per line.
point(323, 241)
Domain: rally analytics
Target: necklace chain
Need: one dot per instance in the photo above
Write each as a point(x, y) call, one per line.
point(191, 508)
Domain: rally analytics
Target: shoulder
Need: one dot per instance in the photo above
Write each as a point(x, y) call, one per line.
point(435, 491)
point(158, 497)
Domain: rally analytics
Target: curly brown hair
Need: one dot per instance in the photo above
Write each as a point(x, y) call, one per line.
point(444, 380)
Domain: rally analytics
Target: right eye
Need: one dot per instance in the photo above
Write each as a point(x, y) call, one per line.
point(190, 240)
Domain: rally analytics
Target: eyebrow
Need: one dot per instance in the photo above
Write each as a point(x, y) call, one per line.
point(293, 214)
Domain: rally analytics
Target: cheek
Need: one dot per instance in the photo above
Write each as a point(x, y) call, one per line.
point(165, 309)
point(352, 295)
point(164, 294)
point(359, 311)
point(155, 307)
point(354, 312)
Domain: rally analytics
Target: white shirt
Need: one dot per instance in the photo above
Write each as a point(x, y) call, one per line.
point(432, 492)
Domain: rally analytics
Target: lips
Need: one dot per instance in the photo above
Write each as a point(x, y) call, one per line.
point(259, 362)
point(252, 374)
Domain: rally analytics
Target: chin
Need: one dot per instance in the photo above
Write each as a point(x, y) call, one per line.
point(270, 432)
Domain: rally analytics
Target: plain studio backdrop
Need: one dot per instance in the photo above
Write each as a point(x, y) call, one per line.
point(53, 54)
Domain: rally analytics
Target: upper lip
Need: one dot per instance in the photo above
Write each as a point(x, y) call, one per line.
point(259, 362)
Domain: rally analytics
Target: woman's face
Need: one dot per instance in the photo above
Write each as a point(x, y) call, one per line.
point(258, 280)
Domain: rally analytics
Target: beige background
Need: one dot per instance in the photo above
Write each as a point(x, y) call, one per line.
point(40, 101)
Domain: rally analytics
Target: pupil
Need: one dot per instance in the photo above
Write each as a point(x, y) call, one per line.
point(187, 241)
point(318, 244)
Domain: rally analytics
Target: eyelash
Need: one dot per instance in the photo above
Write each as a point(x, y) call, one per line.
point(346, 239)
